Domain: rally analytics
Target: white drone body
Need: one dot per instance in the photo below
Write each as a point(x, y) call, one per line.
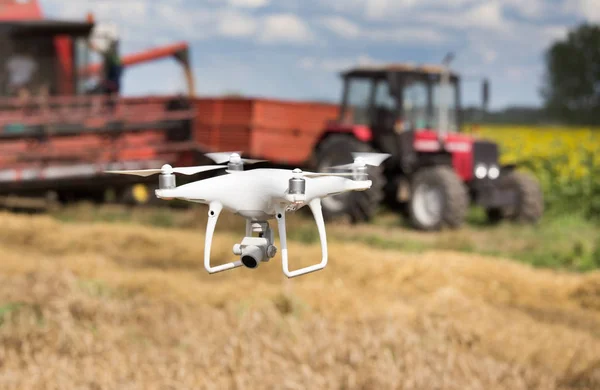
point(260, 195)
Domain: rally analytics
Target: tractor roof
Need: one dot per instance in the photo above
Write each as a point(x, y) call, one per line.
point(407, 68)
point(24, 28)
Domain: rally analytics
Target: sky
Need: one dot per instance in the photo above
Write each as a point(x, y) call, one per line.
point(295, 49)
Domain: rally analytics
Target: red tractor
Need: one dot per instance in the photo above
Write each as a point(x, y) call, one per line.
point(435, 172)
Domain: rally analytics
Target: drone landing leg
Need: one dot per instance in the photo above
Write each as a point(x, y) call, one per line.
point(315, 207)
point(213, 215)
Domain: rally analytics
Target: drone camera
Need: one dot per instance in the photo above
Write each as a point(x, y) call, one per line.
point(166, 181)
point(252, 255)
point(254, 250)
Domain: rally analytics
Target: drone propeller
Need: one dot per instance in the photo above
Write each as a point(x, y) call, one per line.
point(234, 157)
point(322, 174)
point(364, 159)
point(298, 173)
point(167, 169)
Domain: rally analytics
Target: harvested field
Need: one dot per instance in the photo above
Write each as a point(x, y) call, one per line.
point(116, 306)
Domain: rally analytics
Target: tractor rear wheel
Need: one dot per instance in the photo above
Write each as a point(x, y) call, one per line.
point(438, 198)
point(529, 206)
point(359, 206)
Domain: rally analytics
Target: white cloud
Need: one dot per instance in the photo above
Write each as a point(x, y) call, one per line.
point(488, 55)
point(377, 9)
point(178, 20)
point(486, 16)
point(392, 9)
point(553, 33)
point(286, 28)
point(169, 18)
point(530, 8)
point(407, 35)
point(349, 30)
point(484, 34)
point(521, 73)
point(589, 9)
point(234, 24)
point(335, 64)
point(307, 63)
point(342, 27)
point(249, 3)
point(135, 10)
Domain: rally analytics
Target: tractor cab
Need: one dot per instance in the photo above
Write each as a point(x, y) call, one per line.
point(408, 110)
point(397, 98)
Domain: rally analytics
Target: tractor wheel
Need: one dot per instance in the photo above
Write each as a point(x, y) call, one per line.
point(438, 198)
point(359, 206)
point(529, 206)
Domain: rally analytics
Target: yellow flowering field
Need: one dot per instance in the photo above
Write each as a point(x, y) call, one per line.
point(566, 160)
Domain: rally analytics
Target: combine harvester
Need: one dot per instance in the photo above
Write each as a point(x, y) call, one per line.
point(56, 140)
point(60, 143)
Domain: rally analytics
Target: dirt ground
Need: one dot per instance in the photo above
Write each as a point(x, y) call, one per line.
point(117, 306)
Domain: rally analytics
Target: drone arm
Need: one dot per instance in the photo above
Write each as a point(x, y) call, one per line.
point(315, 207)
point(215, 209)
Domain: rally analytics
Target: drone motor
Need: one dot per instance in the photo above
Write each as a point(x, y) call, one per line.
point(297, 185)
point(360, 171)
point(235, 166)
point(235, 163)
point(166, 179)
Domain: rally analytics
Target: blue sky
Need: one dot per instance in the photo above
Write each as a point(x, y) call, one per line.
point(294, 49)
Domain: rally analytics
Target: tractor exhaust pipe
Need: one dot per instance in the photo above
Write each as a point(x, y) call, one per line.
point(444, 84)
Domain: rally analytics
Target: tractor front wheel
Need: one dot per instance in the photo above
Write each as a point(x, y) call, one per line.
point(359, 206)
point(529, 204)
point(438, 198)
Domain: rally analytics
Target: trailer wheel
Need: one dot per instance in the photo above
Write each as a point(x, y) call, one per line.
point(438, 198)
point(358, 206)
point(529, 206)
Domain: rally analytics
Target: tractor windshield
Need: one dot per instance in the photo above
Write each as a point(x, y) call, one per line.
point(358, 100)
point(448, 103)
point(421, 105)
point(415, 106)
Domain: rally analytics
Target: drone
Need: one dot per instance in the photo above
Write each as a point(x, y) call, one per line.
point(260, 195)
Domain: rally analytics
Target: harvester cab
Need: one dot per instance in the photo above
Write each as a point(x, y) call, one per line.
point(49, 85)
point(414, 114)
point(36, 60)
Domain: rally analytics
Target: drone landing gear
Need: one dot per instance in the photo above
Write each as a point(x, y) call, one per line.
point(315, 207)
point(214, 211)
point(254, 250)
